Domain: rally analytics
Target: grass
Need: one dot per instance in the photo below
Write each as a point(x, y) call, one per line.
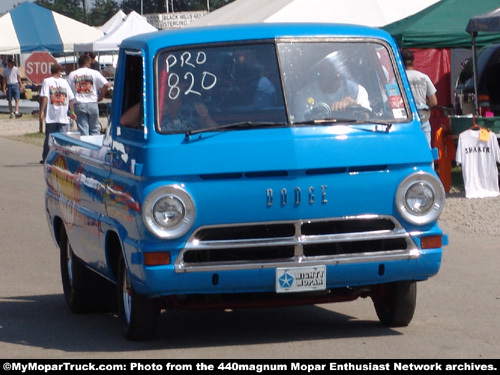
point(31, 138)
point(36, 139)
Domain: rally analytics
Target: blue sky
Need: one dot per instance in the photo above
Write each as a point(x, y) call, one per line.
point(6, 5)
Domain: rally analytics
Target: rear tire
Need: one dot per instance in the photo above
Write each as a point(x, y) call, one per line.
point(84, 290)
point(138, 314)
point(395, 302)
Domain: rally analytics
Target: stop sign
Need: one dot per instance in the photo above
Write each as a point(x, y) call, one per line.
point(37, 66)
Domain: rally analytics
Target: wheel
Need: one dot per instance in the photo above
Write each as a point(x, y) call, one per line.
point(356, 112)
point(318, 111)
point(73, 275)
point(138, 314)
point(322, 111)
point(84, 290)
point(395, 302)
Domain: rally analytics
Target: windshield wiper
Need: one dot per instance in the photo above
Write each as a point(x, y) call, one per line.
point(341, 121)
point(234, 126)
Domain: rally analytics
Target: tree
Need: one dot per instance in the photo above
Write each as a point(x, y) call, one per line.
point(159, 6)
point(45, 3)
point(190, 5)
point(148, 6)
point(103, 10)
point(68, 8)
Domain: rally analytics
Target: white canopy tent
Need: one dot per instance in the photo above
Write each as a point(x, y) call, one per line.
point(30, 27)
point(113, 22)
point(373, 13)
point(134, 24)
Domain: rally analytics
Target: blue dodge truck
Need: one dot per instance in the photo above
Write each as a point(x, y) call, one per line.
point(251, 165)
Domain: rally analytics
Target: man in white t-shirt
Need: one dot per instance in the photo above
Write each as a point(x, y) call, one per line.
point(424, 92)
point(89, 87)
point(55, 98)
point(12, 86)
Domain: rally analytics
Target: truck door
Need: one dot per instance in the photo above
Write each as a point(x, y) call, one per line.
point(128, 140)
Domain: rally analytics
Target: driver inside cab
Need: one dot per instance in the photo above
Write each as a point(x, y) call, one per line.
point(330, 94)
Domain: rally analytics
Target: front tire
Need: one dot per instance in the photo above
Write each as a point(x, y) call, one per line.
point(138, 314)
point(395, 302)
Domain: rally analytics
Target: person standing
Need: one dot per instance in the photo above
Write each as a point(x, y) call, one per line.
point(424, 92)
point(56, 97)
point(12, 86)
point(89, 87)
point(3, 63)
point(94, 64)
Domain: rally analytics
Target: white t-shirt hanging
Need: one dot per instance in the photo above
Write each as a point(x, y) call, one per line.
point(478, 159)
point(86, 83)
point(58, 95)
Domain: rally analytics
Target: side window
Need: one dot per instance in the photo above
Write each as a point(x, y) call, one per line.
point(132, 111)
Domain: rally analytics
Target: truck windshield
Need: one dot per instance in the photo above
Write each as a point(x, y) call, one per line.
point(246, 85)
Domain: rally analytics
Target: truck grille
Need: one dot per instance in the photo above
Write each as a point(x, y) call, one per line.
point(306, 242)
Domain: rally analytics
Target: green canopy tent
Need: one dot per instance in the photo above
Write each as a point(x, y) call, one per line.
point(433, 33)
point(441, 28)
point(437, 29)
point(443, 25)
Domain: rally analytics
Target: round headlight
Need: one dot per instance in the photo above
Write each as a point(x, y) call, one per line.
point(420, 198)
point(168, 212)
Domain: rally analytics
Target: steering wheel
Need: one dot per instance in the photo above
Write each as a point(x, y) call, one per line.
point(318, 111)
point(321, 111)
point(354, 111)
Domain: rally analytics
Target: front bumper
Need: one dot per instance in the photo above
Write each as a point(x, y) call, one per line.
point(356, 251)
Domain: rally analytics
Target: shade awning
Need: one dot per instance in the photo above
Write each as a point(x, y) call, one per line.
point(30, 27)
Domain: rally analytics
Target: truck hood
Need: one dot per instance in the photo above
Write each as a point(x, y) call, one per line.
point(287, 149)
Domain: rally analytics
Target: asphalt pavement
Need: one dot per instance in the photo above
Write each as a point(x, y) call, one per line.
point(456, 316)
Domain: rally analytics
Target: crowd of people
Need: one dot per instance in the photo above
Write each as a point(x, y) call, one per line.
point(62, 100)
point(75, 98)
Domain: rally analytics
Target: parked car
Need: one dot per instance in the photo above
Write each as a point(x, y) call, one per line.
point(488, 70)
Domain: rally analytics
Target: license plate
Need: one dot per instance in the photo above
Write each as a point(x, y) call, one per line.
point(300, 279)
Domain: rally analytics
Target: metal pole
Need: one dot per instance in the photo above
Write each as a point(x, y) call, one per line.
point(474, 69)
point(208, 6)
